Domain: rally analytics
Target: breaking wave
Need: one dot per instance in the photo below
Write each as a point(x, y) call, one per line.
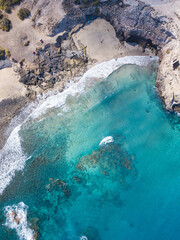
point(106, 140)
point(16, 218)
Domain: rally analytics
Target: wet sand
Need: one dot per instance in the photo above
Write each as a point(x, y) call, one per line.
point(9, 108)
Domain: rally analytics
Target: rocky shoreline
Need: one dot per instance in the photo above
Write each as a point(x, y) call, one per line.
point(9, 108)
point(62, 61)
point(55, 64)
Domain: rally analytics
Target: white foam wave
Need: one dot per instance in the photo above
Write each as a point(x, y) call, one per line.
point(16, 218)
point(83, 238)
point(106, 140)
point(12, 158)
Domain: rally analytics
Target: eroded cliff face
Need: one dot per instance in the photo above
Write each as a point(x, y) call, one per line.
point(168, 79)
point(133, 23)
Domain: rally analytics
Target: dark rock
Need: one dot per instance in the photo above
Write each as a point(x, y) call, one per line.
point(175, 64)
point(176, 107)
point(61, 38)
point(49, 61)
point(131, 23)
point(77, 179)
point(5, 64)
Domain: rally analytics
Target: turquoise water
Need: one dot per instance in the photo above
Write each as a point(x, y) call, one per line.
point(128, 188)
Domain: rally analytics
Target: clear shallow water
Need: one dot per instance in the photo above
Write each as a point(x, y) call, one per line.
point(125, 189)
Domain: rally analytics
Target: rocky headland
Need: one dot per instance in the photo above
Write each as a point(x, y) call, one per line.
point(64, 53)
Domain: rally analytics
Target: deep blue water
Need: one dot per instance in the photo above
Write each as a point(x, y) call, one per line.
point(126, 189)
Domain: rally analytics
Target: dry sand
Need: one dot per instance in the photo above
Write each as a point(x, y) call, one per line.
point(101, 44)
point(10, 87)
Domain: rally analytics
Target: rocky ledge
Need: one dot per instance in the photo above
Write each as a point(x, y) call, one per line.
point(132, 23)
point(53, 63)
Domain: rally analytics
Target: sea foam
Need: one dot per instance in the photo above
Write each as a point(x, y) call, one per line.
point(83, 238)
point(16, 218)
point(12, 158)
point(106, 140)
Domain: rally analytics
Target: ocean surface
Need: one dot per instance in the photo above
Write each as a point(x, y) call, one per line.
point(103, 165)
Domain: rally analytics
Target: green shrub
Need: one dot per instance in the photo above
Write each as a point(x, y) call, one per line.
point(23, 13)
point(87, 2)
point(168, 51)
point(21, 62)
point(26, 43)
point(2, 53)
point(8, 53)
point(5, 24)
point(1, 15)
point(76, 1)
point(38, 12)
point(8, 3)
point(95, 3)
point(8, 10)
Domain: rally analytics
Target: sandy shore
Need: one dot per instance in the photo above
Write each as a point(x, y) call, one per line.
point(10, 87)
point(101, 44)
point(12, 99)
point(9, 108)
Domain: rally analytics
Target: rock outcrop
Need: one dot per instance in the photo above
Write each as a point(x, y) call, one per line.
point(5, 64)
point(52, 63)
point(133, 23)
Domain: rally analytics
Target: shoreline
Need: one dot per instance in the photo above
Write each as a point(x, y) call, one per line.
point(16, 160)
point(96, 40)
point(9, 108)
point(76, 43)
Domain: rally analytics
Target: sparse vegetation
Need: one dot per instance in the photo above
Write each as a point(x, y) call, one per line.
point(23, 13)
point(2, 53)
point(1, 15)
point(168, 51)
point(95, 3)
point(8, 53)
point(38, 12)
point(21, 62)
point(5, 24)
point(87, 2)
point(8, 10)
point(26, 43)
point(84, 49)
point(8, 3)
